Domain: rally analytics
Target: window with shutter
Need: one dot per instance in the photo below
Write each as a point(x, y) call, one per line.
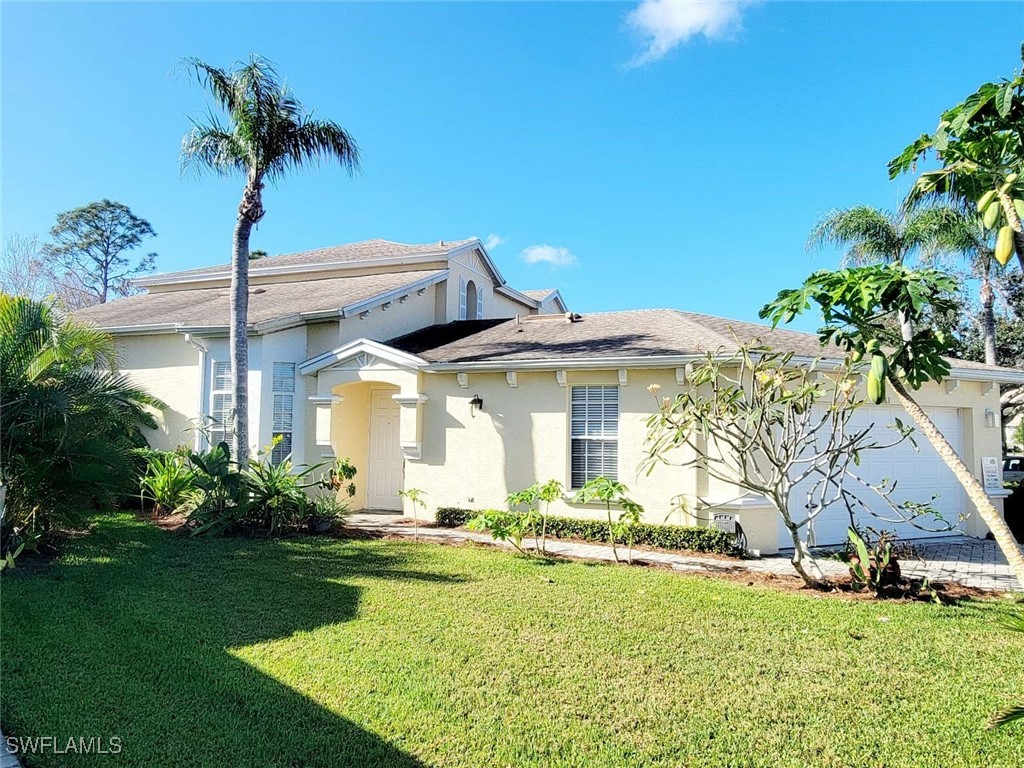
point(284, 404)
point(479, 304)
point(462, 298)
point(221, 403)
point(593, 433)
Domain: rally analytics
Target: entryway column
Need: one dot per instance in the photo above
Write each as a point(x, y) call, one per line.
point(411, 424)
point(322, 405)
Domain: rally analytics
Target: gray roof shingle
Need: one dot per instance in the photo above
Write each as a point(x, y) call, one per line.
point(273, 301)
point(365, 250)
point(636, 333)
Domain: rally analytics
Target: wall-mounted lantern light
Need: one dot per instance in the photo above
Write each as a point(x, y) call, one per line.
point(476, 404)
point(990, 418)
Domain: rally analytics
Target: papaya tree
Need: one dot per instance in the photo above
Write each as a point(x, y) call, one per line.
point(859, 306)
point(979, 144)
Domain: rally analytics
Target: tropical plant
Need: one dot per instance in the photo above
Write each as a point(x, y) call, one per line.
point(415, 498)
point(980, 145)
point(873, 565)
point(328, 504)
point(547, 493)
point(166, 480)
point(70, 421)
point(268, 132)
point(524, 505)
point(604, 490)
point(876, 236)
point(532, 498)
point(504, 525)
point(858, 305)
point(219, 499)
point(89, 251)
point(276, 494)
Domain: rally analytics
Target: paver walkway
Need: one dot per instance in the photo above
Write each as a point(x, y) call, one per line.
point(971, 562)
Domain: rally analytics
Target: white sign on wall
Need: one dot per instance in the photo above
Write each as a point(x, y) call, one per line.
point(991, 474)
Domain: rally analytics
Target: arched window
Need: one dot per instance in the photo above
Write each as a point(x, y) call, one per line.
point(472, 305)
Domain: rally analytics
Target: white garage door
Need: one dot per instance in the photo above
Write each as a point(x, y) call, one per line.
point(918, 474)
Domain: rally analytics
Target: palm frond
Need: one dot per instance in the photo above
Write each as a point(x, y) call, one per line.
point(869, 234)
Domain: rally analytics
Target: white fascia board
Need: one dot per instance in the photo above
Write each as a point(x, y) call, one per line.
point(381, 298)
point(554, 364)
point(515, 295)
point(476, 244)
point(137, 330)
point(558, 297)
point(169, 278)
point(353, 348)
point(671, 361)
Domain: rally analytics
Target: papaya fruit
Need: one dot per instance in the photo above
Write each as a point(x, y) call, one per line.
point(991, 215)
point(1004, 245)
point(987, 198)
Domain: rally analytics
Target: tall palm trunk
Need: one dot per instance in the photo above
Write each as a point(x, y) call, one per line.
point(250, 211)
point(975, 492)
point(988, 320)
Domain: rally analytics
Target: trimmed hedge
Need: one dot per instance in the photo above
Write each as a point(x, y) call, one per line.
point(687, 537)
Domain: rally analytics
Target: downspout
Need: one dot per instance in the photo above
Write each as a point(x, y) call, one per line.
point(203, 353)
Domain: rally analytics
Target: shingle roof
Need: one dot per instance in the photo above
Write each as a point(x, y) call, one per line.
point(366, 250)
point(637, 333)
point(539, 293)
point(274, 301)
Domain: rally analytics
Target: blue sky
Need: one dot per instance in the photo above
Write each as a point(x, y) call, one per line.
point(675, 156)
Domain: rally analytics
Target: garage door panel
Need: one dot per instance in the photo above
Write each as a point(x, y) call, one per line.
point(919, 473)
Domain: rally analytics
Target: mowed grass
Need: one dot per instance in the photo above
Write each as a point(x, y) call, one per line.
point(317, 652)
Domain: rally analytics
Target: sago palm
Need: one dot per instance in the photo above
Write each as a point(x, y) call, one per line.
point(70, 420)
point(266, 133)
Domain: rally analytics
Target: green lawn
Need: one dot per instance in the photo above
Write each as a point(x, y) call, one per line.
point(316, 652)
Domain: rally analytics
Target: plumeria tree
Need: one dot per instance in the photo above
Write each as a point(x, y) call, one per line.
point(757, 420)
point(858, 307)
point(265, 133)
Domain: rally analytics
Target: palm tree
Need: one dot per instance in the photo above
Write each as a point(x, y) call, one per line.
point(70, 420)
point(964, 233)
point(267, 133)
point(874, 235)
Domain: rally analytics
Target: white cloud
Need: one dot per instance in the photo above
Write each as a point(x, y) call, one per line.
point(664, 24)
point(548, 254)
point(493, 241)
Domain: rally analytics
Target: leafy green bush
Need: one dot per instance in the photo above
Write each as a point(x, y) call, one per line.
point(167, 480)
point(70, 421)
point(679, 537)
point(263, 495)
point(507, 526)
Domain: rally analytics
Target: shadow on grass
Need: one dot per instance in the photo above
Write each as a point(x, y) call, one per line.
point(132, 636)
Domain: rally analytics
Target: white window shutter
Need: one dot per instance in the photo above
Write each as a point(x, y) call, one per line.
point(479, 304)
point(462, 298)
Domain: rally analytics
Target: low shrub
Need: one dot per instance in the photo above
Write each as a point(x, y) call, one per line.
point(167, 480)
point(682, 537)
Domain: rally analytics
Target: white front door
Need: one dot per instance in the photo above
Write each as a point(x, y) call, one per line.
point(386, 463)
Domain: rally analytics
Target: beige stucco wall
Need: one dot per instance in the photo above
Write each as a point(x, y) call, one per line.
point(520, 437)
point(166, 367)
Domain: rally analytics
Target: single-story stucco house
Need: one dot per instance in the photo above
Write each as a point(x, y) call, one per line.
point(421, 364)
